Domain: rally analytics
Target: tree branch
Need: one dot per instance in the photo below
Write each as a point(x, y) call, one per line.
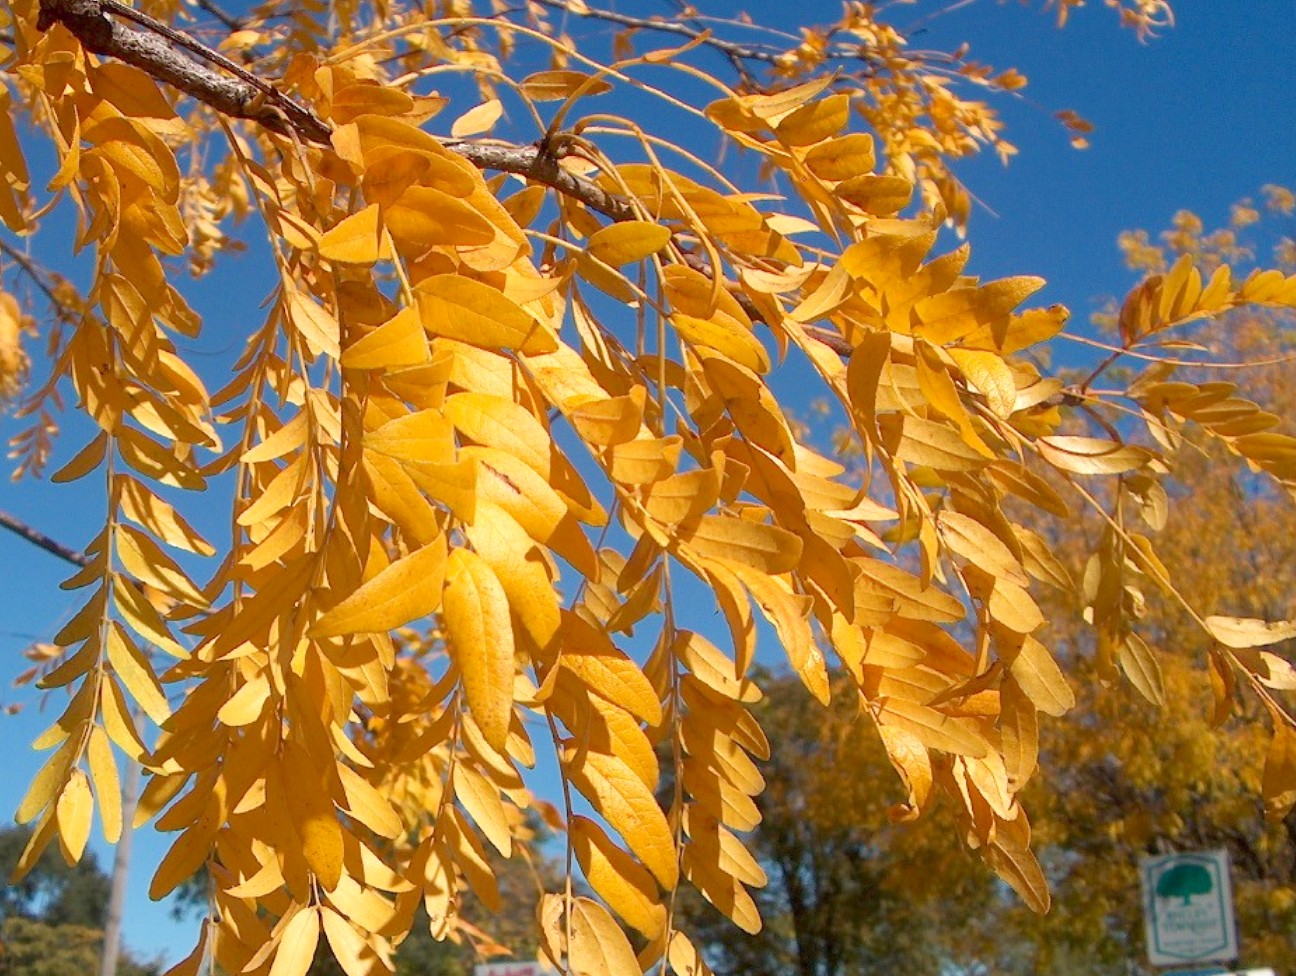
point(36, 537)
point(157, 49)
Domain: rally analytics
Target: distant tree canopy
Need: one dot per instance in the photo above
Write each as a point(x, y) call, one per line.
point(501, 477)
point(51, 922)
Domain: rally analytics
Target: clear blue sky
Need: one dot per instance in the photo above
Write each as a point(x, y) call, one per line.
point(1196, 119)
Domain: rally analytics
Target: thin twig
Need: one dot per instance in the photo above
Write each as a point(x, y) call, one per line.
point(39, 538)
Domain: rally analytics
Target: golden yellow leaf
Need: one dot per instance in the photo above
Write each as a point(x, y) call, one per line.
point(467, 310)
point(589, 653)
point(481, 800)
point(500, 423)
point(1091, 455)
point(1279, 784)
point(74, 810)
point(617, 878)
point(479, 636)
point(598, 946)
point(367, 805)
point(626, 242)
point(1039, 677)
point(629, 807)
point(421, 436)
point(815, 122)
point(357, 239)
point(1241, 632)
point(107, 788)
point(559, 84)
point(1140, 665)
point(406, 590)
point(85, 461)
point(135, 672)
point(765, 548)
point(478, 119)
point(297, 944)
point(400, 341)
point(842, 158)
point(313, 815)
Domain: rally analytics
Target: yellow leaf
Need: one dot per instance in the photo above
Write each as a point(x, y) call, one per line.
point(1243, 632)
point(1279, 784)
point(406, 590)
point(478, 119)
point(990, 376)
point(103, 771)
point(481, 800)
point(1038, 675)
point(86, 460)
point(475, 313)
point(815, 122)
point(422, 436)
point(842, 158)
point(297, 944)
point(349, 947)
point(1091, 455)
point(626, 242)
point(496, 422)
point(479, 636)
point(557, 85)
point(357, 239)
point(766, 548)
point(617, 878)
point(400, 341)
point(1140, 665)
point(313, 816)
point(598, 946)
point(73, 813)
point(136, 674)
point(426, 216)
point(629, 807)
point(367, 805)
point(589, 653)
point(933, 728)
point(725, 336)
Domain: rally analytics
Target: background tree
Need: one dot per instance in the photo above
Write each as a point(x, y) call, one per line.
point(51, 922)
point(515, 395)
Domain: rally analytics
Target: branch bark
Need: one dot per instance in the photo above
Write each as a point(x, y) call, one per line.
point(39, 538)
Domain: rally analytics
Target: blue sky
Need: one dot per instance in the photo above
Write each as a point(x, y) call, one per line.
point(1198, 118)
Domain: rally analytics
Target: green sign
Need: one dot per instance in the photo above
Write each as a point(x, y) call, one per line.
point(1188, 908)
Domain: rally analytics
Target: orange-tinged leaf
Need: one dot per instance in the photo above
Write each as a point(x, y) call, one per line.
point(424, 215)
point(475, 313)
point(589, 653)
point(400, 341)
point(621, 798)
point(842, 158)
point(406, 590)
point(1279, 783)
point(627, 242)
point(313, 815)
point(617, 878)
point(1091, 455)
point(1038, 675)
point(86, 460)
point(479, 635)
point(559, 84)
point(725, 336)
point(357, 239)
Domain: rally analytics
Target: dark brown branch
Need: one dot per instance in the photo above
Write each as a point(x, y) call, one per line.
point(157, 49)
point(535, 164)
point(767, 53)
point(36, 537)
point(242, 95)
point(229, 20)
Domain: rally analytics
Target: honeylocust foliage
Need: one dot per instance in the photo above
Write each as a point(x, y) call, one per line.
point(516, 399)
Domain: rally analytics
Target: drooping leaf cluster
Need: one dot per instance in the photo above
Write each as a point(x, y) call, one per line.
point(513, 401)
